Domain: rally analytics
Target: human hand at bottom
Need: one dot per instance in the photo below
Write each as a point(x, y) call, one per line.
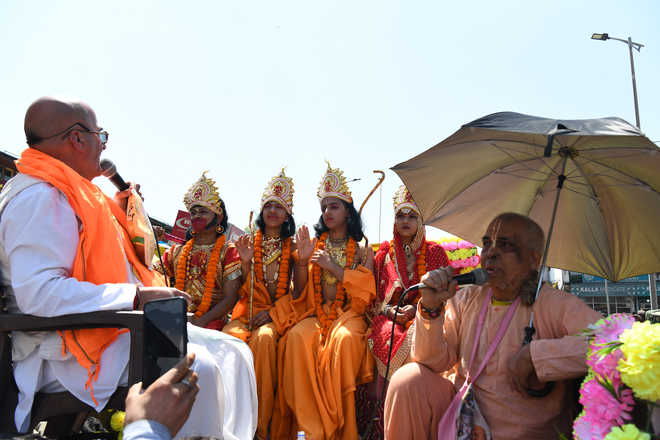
point(168, 400)
point(522, 372)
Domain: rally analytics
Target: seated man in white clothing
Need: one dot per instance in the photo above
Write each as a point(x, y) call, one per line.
point(64, 249)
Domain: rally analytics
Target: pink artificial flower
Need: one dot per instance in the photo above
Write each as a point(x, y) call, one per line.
point(603, 407)
point(612, 328)
point(586, 428)
point(605, 366)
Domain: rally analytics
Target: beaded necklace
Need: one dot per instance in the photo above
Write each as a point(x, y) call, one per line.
point(183, 269)
point(260, 268)
point(327, 319)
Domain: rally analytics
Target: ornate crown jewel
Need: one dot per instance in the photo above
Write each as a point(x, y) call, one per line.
point(403, 200)
point(280, 190)
point(204, 193)
point(334, 184)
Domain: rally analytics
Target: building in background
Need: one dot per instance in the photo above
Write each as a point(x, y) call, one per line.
point(627, 296)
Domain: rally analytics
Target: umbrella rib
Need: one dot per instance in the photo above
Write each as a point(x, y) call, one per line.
point(521, 163)
point(634, 179)
point(520, 177)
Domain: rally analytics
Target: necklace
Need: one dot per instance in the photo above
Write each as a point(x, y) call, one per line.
point(183, 272)
point(337, 251)
point(272, 248)
point(326, 320)
point(260, 262)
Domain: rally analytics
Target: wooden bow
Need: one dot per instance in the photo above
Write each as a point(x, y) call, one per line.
point(373, 190)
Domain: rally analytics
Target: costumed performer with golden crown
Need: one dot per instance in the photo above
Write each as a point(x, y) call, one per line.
point(326, 354)
point(397, 266)
point(208, 268)
point(262, 313)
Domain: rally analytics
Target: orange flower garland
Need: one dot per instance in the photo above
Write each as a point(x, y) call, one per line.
point(327, 319)
point(183, 269)
point(283, 276)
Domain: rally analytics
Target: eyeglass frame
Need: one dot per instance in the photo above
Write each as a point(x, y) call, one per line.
point(101, 134)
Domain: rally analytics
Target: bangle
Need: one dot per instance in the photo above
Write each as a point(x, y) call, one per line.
point(432, 313)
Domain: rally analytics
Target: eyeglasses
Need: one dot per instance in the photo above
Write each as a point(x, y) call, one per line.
point(103, 135)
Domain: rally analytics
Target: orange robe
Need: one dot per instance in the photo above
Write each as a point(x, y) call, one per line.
point(263, 342)
point(317, 381)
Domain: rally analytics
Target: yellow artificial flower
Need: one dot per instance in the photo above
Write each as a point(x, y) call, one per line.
point(640, 366)
point(117, 421)
point(627, 432)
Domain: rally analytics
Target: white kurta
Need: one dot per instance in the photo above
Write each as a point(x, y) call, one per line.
point(39, 237)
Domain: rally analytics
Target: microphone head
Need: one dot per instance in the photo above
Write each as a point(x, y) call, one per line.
point(480, 276)
point(108, 168)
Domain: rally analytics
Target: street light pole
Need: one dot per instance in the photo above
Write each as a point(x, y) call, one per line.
point(634, 82)
point(637, 46)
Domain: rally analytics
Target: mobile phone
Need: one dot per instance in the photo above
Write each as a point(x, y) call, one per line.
point(165, 336)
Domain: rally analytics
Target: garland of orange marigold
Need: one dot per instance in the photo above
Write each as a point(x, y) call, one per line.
point(183, 269)
point(327, 319)
point(283, 276)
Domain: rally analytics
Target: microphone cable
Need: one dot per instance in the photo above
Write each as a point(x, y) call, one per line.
point(381, 396)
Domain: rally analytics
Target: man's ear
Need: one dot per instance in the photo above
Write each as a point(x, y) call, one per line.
point(77, 141)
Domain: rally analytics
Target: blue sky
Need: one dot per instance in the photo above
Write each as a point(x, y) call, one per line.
point(244, 88)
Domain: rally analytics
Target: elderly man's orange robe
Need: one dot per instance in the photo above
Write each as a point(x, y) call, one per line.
point(317, 381)
point(263, 341)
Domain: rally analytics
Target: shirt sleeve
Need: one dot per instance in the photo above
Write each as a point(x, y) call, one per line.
point(146, 430)
point(435, 344)
point(232, 263)
point(39, 233)
point(563, 357)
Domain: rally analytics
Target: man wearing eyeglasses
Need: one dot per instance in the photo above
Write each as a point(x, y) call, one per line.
point(64, 249)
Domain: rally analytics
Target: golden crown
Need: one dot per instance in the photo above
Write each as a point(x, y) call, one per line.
point(403, 200)
point(334, 184)
point(280, 190)
point(204, 193)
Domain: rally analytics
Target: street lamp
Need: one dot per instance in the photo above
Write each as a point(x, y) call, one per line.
point(637, 46)
point(631, 45)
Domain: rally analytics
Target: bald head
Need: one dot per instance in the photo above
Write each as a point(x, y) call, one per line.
point(48, 116)
point(533, 234)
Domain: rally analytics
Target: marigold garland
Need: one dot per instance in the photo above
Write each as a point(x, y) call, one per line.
point(283, 275)
point(327, 319)
point(183, 269)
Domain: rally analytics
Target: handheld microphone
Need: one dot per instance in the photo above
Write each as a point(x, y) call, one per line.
point(109, 170)
point(477, 276)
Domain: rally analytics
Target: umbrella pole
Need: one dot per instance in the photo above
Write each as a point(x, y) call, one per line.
point(529, 330)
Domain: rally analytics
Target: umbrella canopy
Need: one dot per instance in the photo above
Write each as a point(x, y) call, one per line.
point(608, 213)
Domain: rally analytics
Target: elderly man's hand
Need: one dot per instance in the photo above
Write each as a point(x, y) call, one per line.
point(440, 286)
point(522, 372)
point(147, 294)
point(168, 400)
point(121, 197)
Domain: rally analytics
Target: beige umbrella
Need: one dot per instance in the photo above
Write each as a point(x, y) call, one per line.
point(606, 216)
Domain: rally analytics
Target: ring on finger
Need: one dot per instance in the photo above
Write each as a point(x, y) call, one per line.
point(185, 382)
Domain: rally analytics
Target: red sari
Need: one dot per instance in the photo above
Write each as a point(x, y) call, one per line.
point(391, 280)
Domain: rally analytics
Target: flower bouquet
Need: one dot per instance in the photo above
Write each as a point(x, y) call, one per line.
point(622, 386)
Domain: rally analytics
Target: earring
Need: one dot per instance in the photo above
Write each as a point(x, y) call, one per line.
point(220, 229)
